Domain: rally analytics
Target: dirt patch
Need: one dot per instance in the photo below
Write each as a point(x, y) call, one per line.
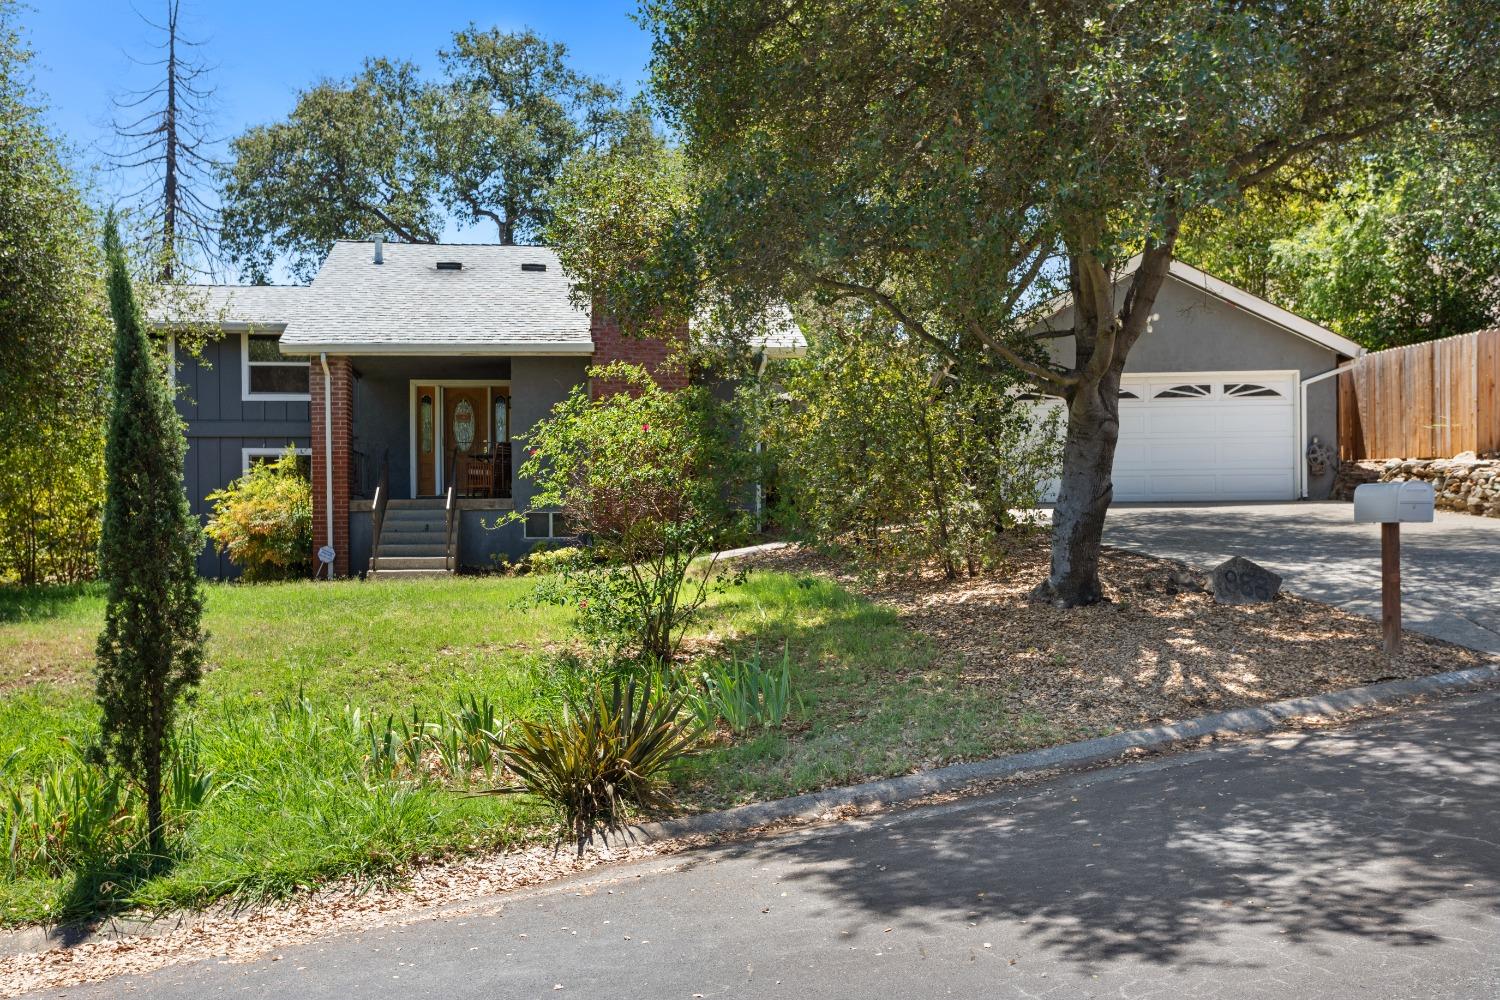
point(62, 659)
point(1157, 652)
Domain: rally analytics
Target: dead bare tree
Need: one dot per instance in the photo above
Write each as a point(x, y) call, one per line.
point(164, 141)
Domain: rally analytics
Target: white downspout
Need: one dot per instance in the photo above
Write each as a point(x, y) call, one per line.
point(1302, 385)
point(328, 448)
point(760, 488)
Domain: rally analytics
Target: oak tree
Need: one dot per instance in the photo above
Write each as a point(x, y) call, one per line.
point(954, 163)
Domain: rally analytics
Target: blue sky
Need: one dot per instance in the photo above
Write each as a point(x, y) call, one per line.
point(267, 50)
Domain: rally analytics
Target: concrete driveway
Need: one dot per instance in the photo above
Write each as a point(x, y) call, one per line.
point(1450, 568)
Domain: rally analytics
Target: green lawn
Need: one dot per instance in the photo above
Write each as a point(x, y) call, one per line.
point(290, 664)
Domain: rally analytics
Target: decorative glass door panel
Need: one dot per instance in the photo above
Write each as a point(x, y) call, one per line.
point(426, 431)
point(466, 423)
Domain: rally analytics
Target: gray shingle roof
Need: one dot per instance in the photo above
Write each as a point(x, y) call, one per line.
point(407, 305)
point(231, 306)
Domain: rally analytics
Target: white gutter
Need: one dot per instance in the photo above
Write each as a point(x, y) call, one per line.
point(328, 449)
point(1302, 385)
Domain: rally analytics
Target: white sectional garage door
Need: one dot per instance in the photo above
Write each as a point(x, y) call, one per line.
point(1207, 436)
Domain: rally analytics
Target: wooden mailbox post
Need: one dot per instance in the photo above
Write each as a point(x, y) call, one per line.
point(1390, 504)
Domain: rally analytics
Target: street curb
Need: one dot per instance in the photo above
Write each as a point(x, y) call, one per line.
point(892, 791)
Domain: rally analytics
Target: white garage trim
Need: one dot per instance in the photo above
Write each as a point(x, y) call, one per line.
point(1156, 460)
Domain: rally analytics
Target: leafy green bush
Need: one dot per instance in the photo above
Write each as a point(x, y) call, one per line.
point(263, 520)
point(543, 559)
point(745, 694)
point(653, 477)
point(896, 454)
point(605, 756)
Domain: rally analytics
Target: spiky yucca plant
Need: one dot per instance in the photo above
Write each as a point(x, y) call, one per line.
point(604, 756)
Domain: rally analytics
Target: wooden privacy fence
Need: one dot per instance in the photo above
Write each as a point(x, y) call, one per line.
point(1429, 400)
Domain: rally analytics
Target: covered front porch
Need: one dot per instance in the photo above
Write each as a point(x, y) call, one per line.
point(421, 461)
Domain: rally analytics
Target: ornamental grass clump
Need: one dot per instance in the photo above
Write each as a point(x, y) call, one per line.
point(745, 694)
point(605, 757)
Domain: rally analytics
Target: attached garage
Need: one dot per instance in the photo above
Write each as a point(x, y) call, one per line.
point(1207, 436)
point(1221, 397)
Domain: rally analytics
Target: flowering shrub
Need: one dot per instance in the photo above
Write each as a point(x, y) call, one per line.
point(263, 520)
point(652, 478)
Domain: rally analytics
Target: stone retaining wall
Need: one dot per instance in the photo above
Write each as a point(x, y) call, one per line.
point(1466, 484)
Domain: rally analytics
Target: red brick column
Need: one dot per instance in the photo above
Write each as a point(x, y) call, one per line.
point(655, 354)
point(341, 406)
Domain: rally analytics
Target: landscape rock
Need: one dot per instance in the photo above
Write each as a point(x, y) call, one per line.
point(1466, 483)
point(1240, 581)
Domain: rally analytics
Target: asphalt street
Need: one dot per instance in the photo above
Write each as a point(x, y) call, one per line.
point(1357, 862)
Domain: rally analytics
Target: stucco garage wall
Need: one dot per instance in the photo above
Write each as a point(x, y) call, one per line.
point(1194, 331)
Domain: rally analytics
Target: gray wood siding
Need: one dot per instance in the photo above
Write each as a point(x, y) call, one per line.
point(220, 424)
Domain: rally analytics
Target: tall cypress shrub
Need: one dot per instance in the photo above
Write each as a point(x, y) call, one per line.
point(151, 650)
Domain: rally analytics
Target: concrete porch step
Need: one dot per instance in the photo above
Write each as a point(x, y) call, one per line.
point(405, 546)
point(420, 503)
point(410, 525)
point(408, 574)
point(437, 563)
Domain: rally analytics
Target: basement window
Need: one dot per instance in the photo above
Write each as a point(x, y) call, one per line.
point(548, 524)
point(267, 375)
point(251, 457)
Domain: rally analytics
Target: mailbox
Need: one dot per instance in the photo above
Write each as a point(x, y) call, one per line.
point(1393, 503)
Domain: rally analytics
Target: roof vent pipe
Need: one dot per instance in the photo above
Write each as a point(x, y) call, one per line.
point(380, 249)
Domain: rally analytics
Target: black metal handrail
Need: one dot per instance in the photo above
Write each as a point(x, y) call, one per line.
point(451, 509)
point(377, 509)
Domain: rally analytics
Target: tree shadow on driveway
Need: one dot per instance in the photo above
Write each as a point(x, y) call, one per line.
point(1448, 567)
point(1304, 841)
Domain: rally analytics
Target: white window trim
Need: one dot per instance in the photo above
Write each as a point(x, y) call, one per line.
point(247, 396)
point(247, 454)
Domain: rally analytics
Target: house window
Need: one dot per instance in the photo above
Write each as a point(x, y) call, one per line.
point(267, 374)
point(548, 524)
point(250, 457)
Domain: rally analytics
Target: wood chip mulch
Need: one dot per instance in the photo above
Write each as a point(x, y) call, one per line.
point(1159, 651)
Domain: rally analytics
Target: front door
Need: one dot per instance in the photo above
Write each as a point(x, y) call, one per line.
point(466, 422)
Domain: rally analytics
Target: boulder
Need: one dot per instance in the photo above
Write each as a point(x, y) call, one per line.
point(1240, 581)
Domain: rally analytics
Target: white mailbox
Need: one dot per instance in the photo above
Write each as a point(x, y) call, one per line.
point(1393, 503)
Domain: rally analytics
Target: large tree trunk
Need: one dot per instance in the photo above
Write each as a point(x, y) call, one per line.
point(1103, 335)
point(1084, 495)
